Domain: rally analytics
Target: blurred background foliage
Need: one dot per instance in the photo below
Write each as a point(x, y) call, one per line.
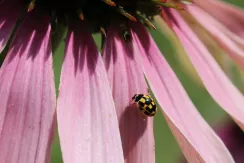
point(167, 150)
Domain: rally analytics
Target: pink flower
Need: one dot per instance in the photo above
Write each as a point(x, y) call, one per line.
point(96, 121)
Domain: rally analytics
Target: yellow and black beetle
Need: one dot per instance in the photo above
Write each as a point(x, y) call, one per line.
point(146, 104)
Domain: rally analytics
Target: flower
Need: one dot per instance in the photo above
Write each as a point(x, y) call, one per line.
point(96, 122)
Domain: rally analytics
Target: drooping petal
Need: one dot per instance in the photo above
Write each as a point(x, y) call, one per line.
point(127, 79)
point(214, 79)
point(87, 121)
point(27, 94)
point(231, 42)
point(9, 12)
point(197, 140)
point(233, 137)
point(231, 16)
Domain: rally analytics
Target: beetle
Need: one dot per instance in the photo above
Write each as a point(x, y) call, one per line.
point(145, 104)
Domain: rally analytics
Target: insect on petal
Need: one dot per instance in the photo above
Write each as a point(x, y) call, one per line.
point(127, 79)
point(197, 140)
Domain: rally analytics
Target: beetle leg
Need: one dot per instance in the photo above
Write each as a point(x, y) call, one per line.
point(142, 115)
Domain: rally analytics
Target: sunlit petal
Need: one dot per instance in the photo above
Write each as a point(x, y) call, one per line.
point(27, 95)
point(87, 121)
point(231, 42)
point(127, 79)
point(196, 139)
point(231, 16)
point(214, 79)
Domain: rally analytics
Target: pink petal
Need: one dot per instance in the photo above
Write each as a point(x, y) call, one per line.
point(233, 137)
point(27, 95)
point(127, 79)
point(9, 12)
point(87, 121)
point(231, 16)
point(214, 79)
point(197, 140)
point(226, 39)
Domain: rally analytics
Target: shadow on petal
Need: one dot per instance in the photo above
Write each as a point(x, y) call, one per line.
point(81, 46)
point(129, 117)
point(29, 35)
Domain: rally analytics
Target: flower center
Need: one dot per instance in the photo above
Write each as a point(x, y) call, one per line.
point(100, 14)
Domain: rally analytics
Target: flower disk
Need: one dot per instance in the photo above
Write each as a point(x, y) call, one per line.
point(102, 13)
